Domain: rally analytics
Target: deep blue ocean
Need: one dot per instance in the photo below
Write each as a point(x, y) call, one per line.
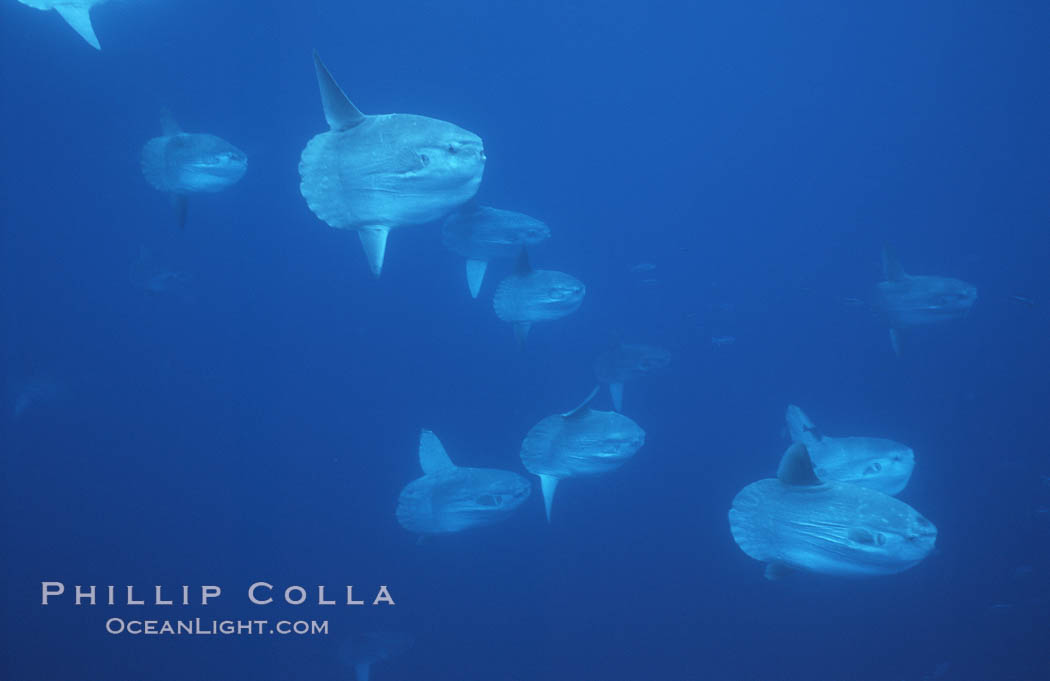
point(256, 420)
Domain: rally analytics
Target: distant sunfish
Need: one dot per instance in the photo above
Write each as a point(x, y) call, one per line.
point(182, 163)
point(449, 498)
point(481, 234)
point(581, 442)
point(374, 173)
point(35, 391)
point(871, 462)
point(625, 363)
point(907, 300)
point(528, 296)
point(361, 651)
point(77, 14)
point(797, 522)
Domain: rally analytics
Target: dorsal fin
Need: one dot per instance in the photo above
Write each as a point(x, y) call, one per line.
point(432, 456)
point(523, 267)
point(339, 111)
point(584, 406)
point(796, 468)
point(891, 267)
point(801, 428)
point(168, 125)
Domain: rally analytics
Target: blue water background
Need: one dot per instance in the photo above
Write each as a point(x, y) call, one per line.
point(260, 427)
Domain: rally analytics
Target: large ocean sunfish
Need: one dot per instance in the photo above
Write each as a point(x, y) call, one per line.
point(798, 522)
point(626, 362)
point(581, 442)
point(374, 173)
point(480, 234)
point(909, 300)
point(451, 498)
point(528, 296)
point(182, 163)
point(873, 462)
point(77, 14)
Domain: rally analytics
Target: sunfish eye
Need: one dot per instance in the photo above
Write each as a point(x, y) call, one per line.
point(862, 536)
point(451, 149)
point(424, 159)
point(880, 538)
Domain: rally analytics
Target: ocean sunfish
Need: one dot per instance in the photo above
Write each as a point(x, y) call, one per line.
point(481, 234)
point(361, 651)
point(872, 462)
point(181, 163)
point(797, 522)
point(581, 442)
point(450, 498)
point(35, 391)
point(625, 363)
point(374, 173)
point(907, 300)
point(77, 14)
point(528, 296)
point(155, 278)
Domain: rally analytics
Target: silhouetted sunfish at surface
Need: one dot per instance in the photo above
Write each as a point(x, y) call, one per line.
point(481, 234)
point(872, 462)
point(625, 363)
point(528, 296)
point(374, 173)
point(182, 163)
point(907, 300)
point(798, 522)
point(77, 14)
point(583, 441)
point(449, 498)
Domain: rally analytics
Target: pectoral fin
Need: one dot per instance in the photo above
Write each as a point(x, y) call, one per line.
point(475, 275)
point(362, 671)
point(79, 17)
point(895, 341)
point(373, 240)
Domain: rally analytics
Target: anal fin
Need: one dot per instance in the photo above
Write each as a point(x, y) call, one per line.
point(548, 484)
point(616, 393)
point(79, 17)
point(362, 671)
point(775, 571)
point(475, 275)
point(373, 240)
point(521, 332)
point(895, 341)
point(179, 203)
